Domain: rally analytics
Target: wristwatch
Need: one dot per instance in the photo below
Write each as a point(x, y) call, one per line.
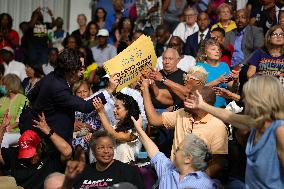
point(51, 132)
point(164, 79)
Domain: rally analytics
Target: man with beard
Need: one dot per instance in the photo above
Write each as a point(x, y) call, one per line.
point(245, 39)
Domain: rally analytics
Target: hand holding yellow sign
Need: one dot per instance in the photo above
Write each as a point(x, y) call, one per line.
point(136, 59)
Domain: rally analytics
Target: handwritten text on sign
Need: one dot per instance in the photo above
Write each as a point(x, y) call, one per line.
point(138, 58)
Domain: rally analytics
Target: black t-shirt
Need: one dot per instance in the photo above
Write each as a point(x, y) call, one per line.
point(262, 17)
point(29, 177)
point(116, 173)
point(79, 37)
point(38, 35)
point(176, 77)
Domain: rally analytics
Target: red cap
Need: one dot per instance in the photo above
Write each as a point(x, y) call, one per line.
point(28, 143)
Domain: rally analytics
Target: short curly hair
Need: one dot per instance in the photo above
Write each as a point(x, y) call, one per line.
point(68, 61)
point(132, 110)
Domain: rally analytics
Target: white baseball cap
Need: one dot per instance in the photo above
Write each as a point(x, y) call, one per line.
point(9, 49)
point(103, 32)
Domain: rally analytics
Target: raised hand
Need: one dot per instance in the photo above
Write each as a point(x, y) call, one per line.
point(222, 79)
point(73, 170)
point(113, 83)
point(42, 124)
point(97, 103)
point(222, 92)
point(145, 84)
point(155, 75)
point(49, 11)
point(138, 122)
point(194, 101)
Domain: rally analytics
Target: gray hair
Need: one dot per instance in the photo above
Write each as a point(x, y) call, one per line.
point(191, 9)
point(197, 72)
point(50, 176)
point(198, 150)
point(173, 49)
point(83, 15)
point(99, 134)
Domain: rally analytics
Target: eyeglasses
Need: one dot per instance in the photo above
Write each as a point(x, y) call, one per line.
point(103, 148)
point(277, 35)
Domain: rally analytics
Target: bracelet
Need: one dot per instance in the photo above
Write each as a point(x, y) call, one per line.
point(51, 132)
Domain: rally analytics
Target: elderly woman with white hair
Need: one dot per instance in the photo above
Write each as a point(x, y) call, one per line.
point(190, 160)
point(264, 118)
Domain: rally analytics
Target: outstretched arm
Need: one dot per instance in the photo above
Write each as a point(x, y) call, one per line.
point(120, 136)
point(162, 95)
point(73, 171)
point(153, 117)
point(238, 121)
point(180, 90)
point(149, 145)
point(62, 146)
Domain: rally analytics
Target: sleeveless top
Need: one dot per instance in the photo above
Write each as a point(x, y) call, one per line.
point(264, 169)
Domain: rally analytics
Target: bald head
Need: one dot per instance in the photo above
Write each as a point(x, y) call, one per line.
point(54, 181)
point(170, 60)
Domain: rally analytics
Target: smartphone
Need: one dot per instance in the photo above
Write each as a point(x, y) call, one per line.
point(102, 97)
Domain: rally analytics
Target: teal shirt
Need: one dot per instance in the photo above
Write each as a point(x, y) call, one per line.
point(214, 73)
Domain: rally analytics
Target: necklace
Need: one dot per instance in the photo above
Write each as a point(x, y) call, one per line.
point(30, 85)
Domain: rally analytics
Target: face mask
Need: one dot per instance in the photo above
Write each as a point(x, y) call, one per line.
point(3, 90)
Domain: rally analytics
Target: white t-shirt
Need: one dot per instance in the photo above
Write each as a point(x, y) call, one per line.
point(183, 30)
point(15, 67)
point(184, 64)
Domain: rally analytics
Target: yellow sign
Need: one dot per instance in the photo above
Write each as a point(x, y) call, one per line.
point(136, 59)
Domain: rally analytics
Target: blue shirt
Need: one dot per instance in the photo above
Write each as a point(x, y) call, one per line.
point(110, 20)
point(102, 55)
point(268, 65)
point(168, 175)
point(238, 55)
point(214, 73)
point(264, 169)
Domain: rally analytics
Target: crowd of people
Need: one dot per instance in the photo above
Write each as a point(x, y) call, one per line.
point(210, 114)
